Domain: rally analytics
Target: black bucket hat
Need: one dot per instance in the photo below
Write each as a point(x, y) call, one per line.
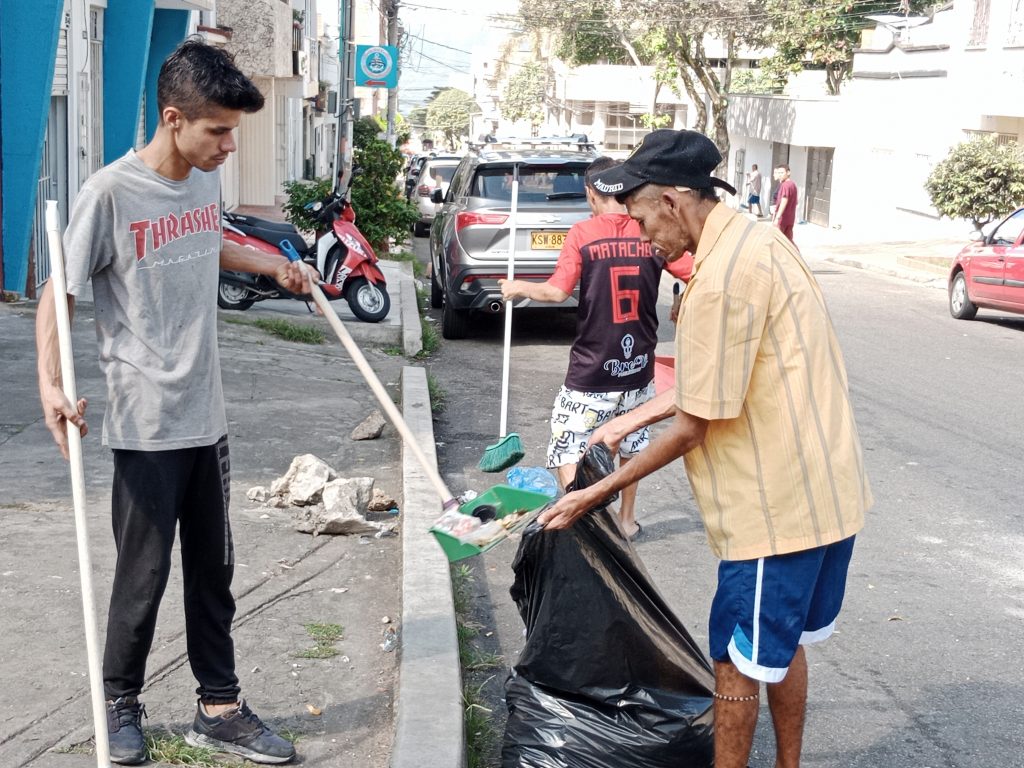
point(671, 158)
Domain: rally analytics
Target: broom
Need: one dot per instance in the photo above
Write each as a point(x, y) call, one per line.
point(67, 364)
point(509, 448)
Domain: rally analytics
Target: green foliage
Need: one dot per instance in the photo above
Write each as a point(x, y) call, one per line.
point(823, 32)
point(449, 114)
point(301, 192)
point(647, 120)
point(171, 749)
point(284, 329)
point(325, 636)
point(755, 81)
point(381, 211)
point(524, 95)
point(980, 180)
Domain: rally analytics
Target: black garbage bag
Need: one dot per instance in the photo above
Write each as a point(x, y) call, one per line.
point(609, 677)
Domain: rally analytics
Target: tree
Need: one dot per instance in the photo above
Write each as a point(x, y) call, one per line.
point(669, 35)
point(824, 33)
point(449, 114)
point(525, 95)
point(382, 212)
point(979, 180)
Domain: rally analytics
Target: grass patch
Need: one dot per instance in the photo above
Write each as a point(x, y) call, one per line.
point(431, 338)
point(324, 636)
point(172, 749)
point(481, 735)
point(233, 320)
point(289, 331)
point(478, 721)
point(438, 395)
point(393, 351)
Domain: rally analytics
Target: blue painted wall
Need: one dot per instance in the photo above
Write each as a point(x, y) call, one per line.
point(169, 28)
point(28, 49)
point(127, 25)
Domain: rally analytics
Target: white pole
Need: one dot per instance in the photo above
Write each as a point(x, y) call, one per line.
point(67, 364)
point(513, 212)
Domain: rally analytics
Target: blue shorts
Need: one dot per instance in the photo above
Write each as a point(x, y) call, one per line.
point(765, 609)
point(754, 200)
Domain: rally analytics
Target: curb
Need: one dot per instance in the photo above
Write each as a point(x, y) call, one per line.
point(428, 703)
point(412, 334)
point(907, 273)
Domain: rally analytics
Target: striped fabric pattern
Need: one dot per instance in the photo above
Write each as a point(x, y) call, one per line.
point(780, 469)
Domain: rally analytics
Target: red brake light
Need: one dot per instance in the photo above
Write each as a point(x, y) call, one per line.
point(348, 214)
point(470, 218)
point(424, 190)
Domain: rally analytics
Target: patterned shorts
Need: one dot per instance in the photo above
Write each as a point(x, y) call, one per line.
point(577, 414)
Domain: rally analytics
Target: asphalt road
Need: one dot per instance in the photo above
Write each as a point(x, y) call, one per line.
point(925, 670)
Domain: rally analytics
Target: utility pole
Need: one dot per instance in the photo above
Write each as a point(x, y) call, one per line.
point(346, 89)
point(392, 92)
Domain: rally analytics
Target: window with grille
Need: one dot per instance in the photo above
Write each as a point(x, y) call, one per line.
point(1015, 29)
point(1002, 139)
point(979, 28)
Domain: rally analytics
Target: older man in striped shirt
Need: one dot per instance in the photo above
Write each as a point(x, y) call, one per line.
point(761, 414)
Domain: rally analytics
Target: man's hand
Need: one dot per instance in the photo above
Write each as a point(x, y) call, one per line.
point(294, 276)
point(608, 434)
point(58, 411)
point(568, 509)
point(510, 289)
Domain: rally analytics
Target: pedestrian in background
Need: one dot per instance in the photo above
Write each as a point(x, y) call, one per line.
point(785, 209)
point(754, 190)
point(146, 230)
point(611, 363)
point(761, 414)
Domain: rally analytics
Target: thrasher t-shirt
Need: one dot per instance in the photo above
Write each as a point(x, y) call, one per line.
point(151, 246)
point(617, 321)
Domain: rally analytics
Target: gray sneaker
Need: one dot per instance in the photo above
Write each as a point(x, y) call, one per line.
point(240, 732)
point(124, 730)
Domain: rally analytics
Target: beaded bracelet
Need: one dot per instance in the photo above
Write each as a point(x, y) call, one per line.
point(723, 697)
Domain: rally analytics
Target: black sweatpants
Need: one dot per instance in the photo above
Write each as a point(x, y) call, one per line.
point(155, 492)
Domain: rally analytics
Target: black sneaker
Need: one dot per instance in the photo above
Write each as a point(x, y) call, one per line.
point(239, 732)
point(124, 730)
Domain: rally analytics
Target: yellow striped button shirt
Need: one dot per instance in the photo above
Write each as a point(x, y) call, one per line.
point(780, 469)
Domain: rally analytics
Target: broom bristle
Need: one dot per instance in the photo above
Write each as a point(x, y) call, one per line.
point(503, 454)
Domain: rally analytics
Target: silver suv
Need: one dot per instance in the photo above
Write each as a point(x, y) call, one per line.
point(469, 237)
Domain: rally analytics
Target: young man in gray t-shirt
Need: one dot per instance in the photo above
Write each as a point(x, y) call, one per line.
point(146, 230)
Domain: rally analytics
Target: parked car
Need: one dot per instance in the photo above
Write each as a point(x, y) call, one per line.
point(435, 174)
point(469, 239)
point(989, 272)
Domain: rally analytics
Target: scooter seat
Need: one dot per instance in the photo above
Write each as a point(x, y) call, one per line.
point(255, 221)
point(273, 236)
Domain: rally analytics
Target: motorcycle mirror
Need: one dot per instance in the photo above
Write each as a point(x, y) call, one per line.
point(356, 171)
point(316, 207)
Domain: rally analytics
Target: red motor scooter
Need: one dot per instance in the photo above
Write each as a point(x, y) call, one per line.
point(341, 255)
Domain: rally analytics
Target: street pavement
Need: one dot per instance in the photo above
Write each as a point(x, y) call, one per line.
point(283, 400)
point(919, 674)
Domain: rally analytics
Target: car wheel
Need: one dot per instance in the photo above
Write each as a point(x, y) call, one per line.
point(231, 296)
point(960, 305)
point(369, 302)
point(454, 322)
point(419, 229)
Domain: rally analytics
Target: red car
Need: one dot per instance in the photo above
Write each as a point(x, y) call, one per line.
point(989, 272)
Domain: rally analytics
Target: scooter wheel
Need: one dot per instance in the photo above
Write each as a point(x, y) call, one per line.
point(369, 302)
point(230, 296)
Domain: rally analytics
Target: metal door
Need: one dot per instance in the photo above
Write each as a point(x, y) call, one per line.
point(818, 195)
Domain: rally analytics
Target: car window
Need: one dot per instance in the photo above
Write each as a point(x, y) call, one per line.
point(536, 183)
point(1008, 232)
point(443, 172)
point(458, 182)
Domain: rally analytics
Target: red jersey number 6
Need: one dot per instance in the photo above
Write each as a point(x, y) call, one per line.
point(625, 301)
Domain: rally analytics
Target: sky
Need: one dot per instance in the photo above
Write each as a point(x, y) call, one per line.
point(441, 36)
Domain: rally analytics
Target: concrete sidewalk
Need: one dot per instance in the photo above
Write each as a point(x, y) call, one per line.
point(283, 399)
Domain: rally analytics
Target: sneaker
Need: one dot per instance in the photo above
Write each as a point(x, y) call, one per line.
point(124, 730)
point(239, 732)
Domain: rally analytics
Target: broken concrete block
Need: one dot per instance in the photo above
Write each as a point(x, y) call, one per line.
point(381, 502)
point(259, 493)
point(303, 483)
point(370, 427)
